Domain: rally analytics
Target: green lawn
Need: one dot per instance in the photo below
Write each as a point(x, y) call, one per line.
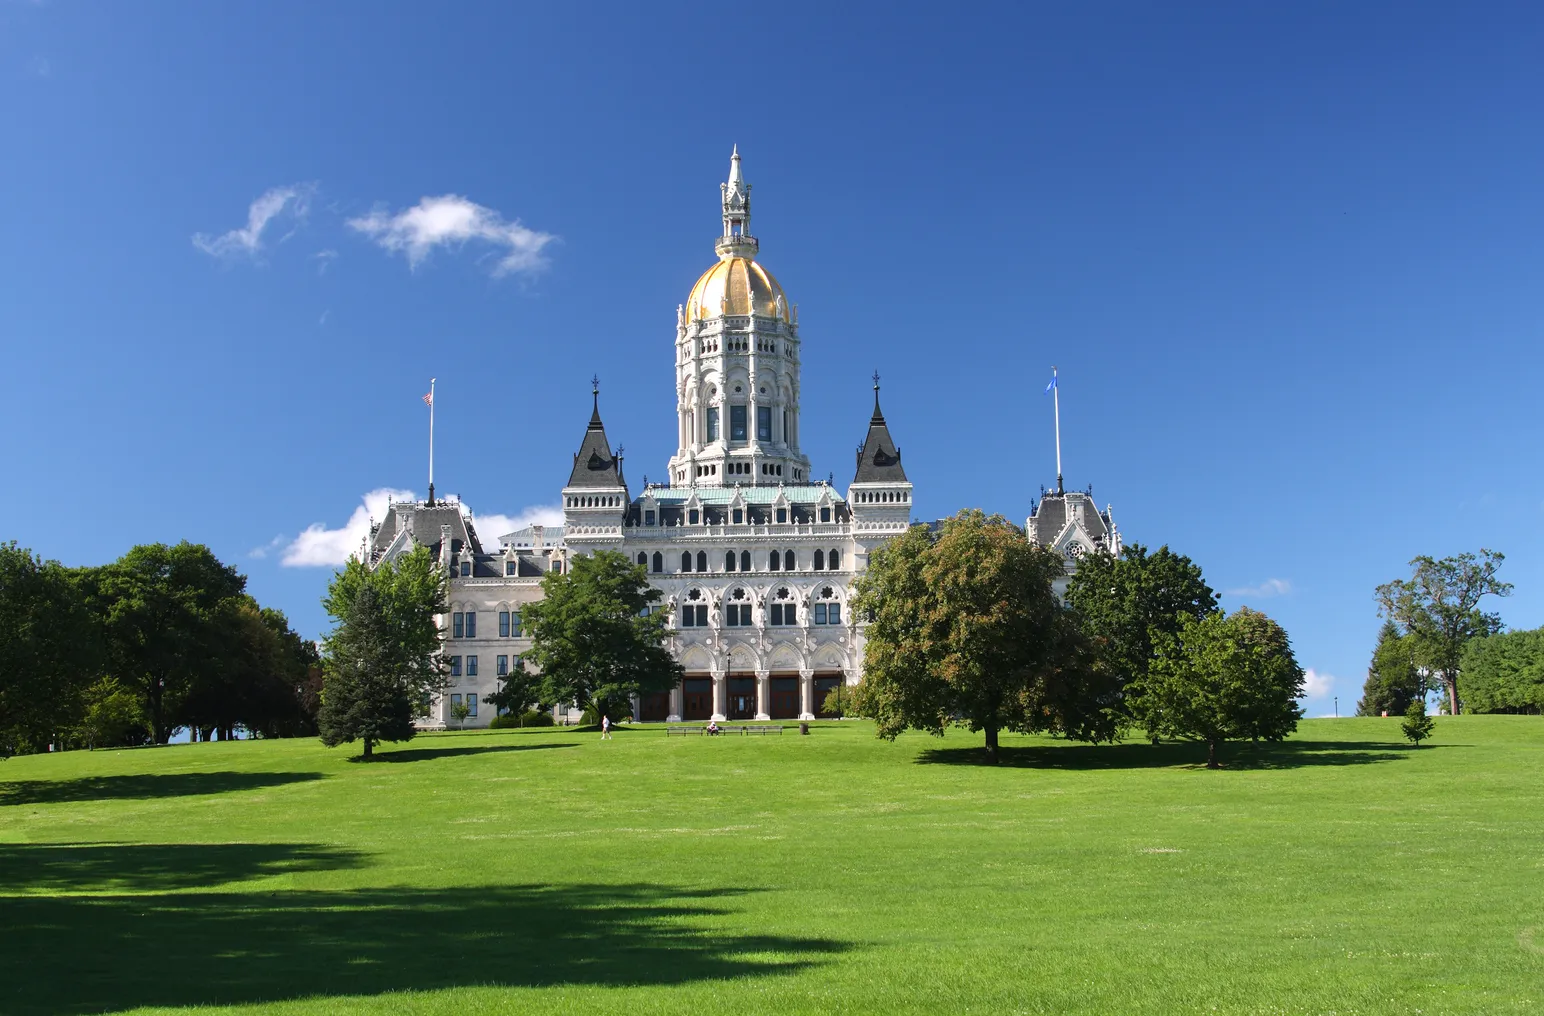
point(546, 871)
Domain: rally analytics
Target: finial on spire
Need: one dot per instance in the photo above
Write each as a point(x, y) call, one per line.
point(736, 240)
point(876, 380)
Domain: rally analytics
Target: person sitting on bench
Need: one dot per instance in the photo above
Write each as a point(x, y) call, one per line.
point(712, 727)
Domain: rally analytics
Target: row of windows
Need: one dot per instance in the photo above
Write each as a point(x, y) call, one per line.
point(463, 624)
point(500, 665)
point(695, 516)
point(883, 496)
point(784, 561)
point(463, 569)
point(471, 704)
point(738, 615)
point(738, 417)
point(593, 501)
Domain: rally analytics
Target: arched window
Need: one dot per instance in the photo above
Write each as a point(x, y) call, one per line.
point(659, 562)
point(702, 560)
point(686, 560)
point(835, 560)
point(729, 561)
point(827, 609)
point(782, 612)
point(737, 610)
point(643, 559)
point(820, 560)
point(745, 560)
point(774, 560)
point(788, 562)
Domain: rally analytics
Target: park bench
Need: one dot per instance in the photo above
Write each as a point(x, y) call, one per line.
point(727, 729)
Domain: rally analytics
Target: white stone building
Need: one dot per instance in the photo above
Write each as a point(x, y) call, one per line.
point(1070, 523)
point(755, 559)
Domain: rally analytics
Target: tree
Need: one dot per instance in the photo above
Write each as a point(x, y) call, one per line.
point(966, 628)
point(411, 591)
point(49, 649)
point(367, 695)
point(1224, 678)
point(162, 611)
point(459, 711)
point(518, 691)
point(1127, 603)
point(114, 717)
point(1417, 725)
point(1393, 679)
point(596, 639)
point(1438, 608)
point(382, 663)
point(1504, 673)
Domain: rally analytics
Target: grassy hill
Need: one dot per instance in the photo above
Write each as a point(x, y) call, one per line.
point(547, 871)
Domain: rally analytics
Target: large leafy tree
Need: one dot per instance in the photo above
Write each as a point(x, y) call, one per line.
point(1127, 603)
point(1224, 678)
point(1437, 607)
point(164, 612)
point(966, 628)
point(49, 649)
point(1393, 679)
point(386, 648)
point(1504, 673)
point(367, 696)
point(595, 637)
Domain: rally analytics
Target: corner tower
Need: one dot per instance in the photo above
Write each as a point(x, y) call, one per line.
point(737, 365)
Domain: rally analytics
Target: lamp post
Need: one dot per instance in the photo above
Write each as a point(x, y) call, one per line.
point(1337, 707)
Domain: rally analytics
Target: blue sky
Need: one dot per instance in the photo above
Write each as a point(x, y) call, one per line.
point(1288, 260)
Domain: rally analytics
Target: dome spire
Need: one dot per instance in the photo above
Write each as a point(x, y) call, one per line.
point(736, 240)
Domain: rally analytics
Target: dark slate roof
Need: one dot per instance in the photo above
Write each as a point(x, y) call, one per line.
point(879, 460)
point(1053, 511)
point(426, 524)
point(595, 466)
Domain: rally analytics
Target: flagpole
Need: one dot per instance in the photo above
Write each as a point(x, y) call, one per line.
point(1056, 398)
point(431, 442)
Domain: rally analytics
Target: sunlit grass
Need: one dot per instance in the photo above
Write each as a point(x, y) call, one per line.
point(546, 871)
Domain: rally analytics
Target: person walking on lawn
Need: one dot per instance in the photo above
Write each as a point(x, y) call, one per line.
point(605, 728)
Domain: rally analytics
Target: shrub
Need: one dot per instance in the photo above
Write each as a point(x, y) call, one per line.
point(529, 718)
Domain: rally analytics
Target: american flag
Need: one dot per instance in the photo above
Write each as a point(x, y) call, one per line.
point(429, 399)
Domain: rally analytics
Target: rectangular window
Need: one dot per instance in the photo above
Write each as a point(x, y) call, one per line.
point(501, 666)
point(702, 615)
point(471, 666)
point(509, 567)
point(732, 616)
point(764, 423)
point(455, 700)
point(782, 516)
point(834, 614)
point(712, 423)
point(688, 617)
point(455, 666)
point(790, 614)
point(825, 514)
point(820, 613)
point(737, 423)
point(692, 516)
point(514, 624)
point(648, 518)
point(471, 705)
point(503, 624)
point(471, 624)
point(777, 613)
point(457, 625)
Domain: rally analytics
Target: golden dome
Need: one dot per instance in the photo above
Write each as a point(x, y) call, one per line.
point(737, 286)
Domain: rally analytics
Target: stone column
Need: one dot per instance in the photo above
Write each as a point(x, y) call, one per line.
point(806, 694)
point(720, 696)
point(677, 703)
point(763, 695)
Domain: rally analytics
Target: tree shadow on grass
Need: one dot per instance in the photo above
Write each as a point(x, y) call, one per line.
point(157, 867)
point(141, 786)
point(425, 754)
point(1234, 755)
point(85, 954)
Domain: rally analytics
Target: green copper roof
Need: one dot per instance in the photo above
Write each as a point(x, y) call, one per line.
point(810, 494)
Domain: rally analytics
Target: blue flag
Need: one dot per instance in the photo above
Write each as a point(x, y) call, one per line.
point(1051, 385)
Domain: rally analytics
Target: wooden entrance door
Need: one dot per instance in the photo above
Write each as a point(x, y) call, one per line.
point(698, 699)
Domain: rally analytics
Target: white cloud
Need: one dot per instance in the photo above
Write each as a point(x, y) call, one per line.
point(1317, 685)
point(451, 221)
point(268, 548)
point(1265, 590)
point(293, 201)
point(320, 547)
point(324, 260)
point(491, 527)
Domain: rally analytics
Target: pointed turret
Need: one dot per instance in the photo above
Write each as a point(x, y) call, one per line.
point(594, 465)
point(736, 240)
point(879, 460)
